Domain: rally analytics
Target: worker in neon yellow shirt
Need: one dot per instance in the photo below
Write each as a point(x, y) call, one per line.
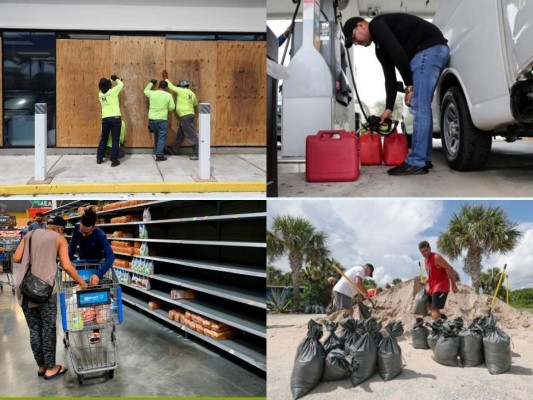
point(185, 103)
point(161, 103)
point(111, 118)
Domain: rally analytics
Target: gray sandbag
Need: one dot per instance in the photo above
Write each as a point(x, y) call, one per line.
point(349, 325)
point(419, 334)
point(351, 337)
point(332, 342)
point(338, 365)
point(308, 310)
point(420, 306)
point(496, 347)
point(471, 344)
point(309, 361)
point(378, 337)
point(390, 353)
point(365, 353)
point(446, 349)
point(364, 311)
point(436, 332)
point(322, 310)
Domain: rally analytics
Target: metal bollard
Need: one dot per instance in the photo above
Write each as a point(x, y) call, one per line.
point(204, 150)
point(40, 141)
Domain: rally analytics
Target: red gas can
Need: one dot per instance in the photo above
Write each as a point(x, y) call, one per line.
point(332, 156)
point(395, 148)
point(371, 150)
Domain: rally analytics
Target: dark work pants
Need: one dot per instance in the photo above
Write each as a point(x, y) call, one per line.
point(109, 125)
point(42, 323)
point(186, 131)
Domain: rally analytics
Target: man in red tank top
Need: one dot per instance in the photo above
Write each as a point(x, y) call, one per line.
point(440, 273)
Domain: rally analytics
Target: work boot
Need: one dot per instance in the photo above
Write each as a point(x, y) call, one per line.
point(115, 163)
point(99, 161)
point(160, 158)
point(194, 157)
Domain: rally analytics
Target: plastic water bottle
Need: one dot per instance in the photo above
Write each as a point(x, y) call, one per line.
point(76, 317)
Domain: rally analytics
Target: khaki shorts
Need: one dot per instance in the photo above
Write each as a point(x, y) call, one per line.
point(341, 301)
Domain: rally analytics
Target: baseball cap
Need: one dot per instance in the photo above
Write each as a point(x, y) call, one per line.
point(57, 220)
point(348, 28)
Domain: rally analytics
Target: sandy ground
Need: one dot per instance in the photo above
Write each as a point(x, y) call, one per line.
point(421, 376)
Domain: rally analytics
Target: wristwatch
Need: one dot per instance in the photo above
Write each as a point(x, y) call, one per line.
point(408, 89)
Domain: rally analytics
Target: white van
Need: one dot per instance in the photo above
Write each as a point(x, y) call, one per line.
point(487, 89)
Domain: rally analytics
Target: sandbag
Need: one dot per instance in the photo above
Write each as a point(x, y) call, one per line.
point(471, 345)
point(446, 349)
point(332, 342)
point(309, 361)
point(419, 334)
point(436, 332)
point(420, 306)
point(338, 365)
point(390, 353)
point(350, 336)
point(308, 310)
point(364, 311)
point(365, 353)
point(496, 348)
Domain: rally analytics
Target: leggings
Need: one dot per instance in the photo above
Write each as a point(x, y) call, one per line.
point(42, 323)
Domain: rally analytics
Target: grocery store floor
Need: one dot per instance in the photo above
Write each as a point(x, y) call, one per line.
point(243, 172)
point(152, 361)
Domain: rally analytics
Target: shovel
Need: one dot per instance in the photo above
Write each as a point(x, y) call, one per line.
point(353, 285)
point(497, 288)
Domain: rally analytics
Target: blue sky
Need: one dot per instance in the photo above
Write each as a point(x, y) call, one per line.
point(386, 232)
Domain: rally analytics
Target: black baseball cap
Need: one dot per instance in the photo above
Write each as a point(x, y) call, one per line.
point(57, 220)
point(348, 28)
point(371, 269)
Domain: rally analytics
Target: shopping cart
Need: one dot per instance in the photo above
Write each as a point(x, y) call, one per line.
point(85, 312)
point(6, 260)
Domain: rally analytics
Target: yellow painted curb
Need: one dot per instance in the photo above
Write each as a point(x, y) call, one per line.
point(134, 187)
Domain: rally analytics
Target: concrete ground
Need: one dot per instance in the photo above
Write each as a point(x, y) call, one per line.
point(152, 360)
point(508, 173)
point(138, 173)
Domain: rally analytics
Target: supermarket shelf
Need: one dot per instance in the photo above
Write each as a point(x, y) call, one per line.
point(198, 242)
point(247, 324)
point(186, 220)
point(239, 269)
point(238, 348)
point(240, 295)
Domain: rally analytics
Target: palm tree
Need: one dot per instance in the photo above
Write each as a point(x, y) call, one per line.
point(478, 231)
point(489, 280)
point(303, 244)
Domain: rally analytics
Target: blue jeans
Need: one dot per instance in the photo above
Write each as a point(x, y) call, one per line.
point(426, 66)
point(159, 128)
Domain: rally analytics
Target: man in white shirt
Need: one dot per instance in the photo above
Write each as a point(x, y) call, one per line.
point(343, 291)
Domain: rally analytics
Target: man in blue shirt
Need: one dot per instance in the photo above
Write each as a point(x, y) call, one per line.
point(93, 244)
point(38, 224)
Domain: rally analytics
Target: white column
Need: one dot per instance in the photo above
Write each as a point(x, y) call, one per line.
point(204, 150)
point(40, 141)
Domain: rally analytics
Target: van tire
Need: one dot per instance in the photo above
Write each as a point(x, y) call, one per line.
point(465, 147)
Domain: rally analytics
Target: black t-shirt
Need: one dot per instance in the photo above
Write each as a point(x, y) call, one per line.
point(398, 37)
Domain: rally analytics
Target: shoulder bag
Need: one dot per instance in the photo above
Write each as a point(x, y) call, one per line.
point(34, 288)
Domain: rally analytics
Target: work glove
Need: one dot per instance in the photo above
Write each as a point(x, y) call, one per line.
point(114, 77)
point(154, 81)
point(165, 74)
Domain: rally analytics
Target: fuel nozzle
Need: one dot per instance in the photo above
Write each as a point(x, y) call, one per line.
point(374, 124)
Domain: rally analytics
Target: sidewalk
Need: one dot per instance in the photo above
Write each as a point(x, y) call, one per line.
point(241, 174)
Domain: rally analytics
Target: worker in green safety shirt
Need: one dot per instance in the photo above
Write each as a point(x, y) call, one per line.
point(186, 102)
point(111, 118)
point(161, 103)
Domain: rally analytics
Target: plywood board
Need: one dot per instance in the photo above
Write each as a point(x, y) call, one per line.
point(80, 65)
point(241, 93)
point(195, 61)
point(136, 60)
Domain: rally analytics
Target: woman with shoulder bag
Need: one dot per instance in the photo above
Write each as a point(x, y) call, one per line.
point(45, 246)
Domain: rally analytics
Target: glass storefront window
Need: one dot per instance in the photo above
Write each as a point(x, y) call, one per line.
point(29, 68)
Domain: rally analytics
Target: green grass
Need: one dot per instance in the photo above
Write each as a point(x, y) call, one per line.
point(528, 309)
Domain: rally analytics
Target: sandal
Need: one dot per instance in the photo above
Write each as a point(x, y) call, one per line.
point(95, 338)
point(60, 371)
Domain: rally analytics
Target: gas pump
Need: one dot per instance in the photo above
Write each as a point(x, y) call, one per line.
point(317, 94)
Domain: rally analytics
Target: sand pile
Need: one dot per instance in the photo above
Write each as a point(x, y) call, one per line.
point(396, 304)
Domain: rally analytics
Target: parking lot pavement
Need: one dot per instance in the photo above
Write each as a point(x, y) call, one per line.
point(508, 173)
